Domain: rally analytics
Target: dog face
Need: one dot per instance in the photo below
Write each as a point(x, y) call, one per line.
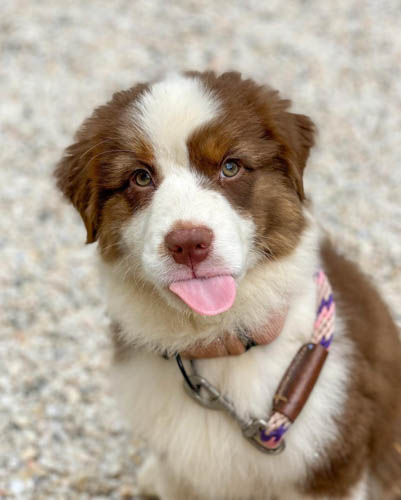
point(189, 182)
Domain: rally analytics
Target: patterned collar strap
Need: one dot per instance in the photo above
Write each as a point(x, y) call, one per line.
point(294, 388)
point(301, 376)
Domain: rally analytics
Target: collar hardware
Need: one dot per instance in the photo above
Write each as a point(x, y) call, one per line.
point(208, 396)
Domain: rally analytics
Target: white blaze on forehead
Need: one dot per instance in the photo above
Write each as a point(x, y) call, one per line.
point(170, 111)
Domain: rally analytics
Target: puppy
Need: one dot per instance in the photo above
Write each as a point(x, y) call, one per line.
point(193, 188)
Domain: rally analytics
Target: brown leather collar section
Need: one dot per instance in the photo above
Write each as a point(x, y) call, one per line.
point(299, 380)
point(235, 344)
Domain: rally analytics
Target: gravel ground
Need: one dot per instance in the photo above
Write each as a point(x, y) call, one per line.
point(61, 435)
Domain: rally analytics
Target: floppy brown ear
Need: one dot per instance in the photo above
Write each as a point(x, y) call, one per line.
point(76, 173)
point(76, 179)
point(298, 134)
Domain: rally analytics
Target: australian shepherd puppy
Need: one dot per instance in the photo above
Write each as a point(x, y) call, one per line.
point(192, 186)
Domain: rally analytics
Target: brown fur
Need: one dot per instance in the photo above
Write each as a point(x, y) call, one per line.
point(272, 146)
point(257, 112)
point(371, 423)
point(98, 165)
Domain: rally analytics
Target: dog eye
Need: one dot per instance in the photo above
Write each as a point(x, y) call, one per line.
point(230, 169)
point(142, 178)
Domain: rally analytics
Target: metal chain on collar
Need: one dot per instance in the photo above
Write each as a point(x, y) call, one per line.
point(208, 396)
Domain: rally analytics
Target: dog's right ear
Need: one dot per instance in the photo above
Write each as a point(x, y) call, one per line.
point(75, 174)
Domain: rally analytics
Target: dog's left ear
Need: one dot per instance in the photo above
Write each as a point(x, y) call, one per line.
point(298, 134)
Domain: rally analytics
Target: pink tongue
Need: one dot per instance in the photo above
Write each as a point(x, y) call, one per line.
point(207, 296)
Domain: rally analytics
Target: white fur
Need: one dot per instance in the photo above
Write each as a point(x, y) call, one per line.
point(362, 491)
point(201, 454)
point(207, 447)
point(169, 112)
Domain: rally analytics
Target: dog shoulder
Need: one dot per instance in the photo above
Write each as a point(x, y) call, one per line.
point(369, 427)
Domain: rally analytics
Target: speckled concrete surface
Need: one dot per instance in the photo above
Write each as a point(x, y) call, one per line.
point(60, 434)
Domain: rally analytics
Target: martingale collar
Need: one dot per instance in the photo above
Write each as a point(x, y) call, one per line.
point(294, 388)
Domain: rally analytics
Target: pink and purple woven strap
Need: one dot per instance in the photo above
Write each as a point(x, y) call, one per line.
point(323, 332)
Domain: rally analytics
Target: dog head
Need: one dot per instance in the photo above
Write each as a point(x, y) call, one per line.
point(189, 182)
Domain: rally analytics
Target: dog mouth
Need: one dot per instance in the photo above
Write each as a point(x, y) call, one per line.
point(206, 296)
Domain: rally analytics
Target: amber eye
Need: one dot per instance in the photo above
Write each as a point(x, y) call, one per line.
point(142, 178)
point(230, 169)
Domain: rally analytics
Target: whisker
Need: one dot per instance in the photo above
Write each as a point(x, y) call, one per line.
point(265, 239)
point(95, 146)
point(108, 152)
point(110, 246)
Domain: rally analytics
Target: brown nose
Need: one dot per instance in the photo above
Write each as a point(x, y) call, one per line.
point(189, 246)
